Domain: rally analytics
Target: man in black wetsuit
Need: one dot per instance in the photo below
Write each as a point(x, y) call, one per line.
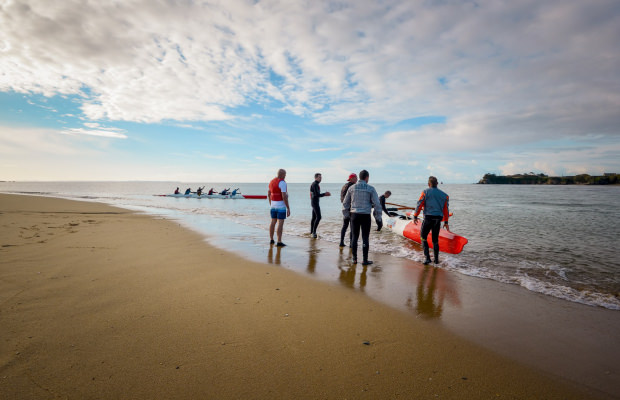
point(346, 219)
point(315, 195)
point(382, 198)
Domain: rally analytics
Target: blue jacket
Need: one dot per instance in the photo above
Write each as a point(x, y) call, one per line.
point(434, 202)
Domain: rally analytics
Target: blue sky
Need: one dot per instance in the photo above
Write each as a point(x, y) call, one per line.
point(231, 91)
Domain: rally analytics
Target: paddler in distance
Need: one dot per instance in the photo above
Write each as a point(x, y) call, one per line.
point(435, 204)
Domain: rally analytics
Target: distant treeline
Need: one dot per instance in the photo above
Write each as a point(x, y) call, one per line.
point(542, 179)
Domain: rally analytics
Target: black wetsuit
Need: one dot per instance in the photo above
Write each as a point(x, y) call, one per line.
point(315, 195)
point(384, 208)
point(382, 201)
point(347, 220)
point(432, 224)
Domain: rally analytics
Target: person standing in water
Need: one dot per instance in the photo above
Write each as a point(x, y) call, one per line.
point(346, 220)
point(315, 195)
point(359, 202)
point(435, 204)
point(278, 200)
point(382, 199)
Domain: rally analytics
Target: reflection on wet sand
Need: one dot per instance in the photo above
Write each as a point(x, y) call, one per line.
point(433, 286)
point(270, 258)
point(313, 255)
point(348, 271)
point(393, 283)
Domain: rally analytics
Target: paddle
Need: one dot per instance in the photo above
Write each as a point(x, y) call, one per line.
point(400, 206)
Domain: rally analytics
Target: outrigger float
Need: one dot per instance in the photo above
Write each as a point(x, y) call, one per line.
point(404, 225)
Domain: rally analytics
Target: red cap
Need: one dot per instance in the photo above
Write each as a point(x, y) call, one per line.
point(352, 176)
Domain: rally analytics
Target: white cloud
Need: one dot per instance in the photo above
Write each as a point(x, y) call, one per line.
point(324, 149)
point(214, 156)
point(145, 61)
point(103, 132)
point(504, 74)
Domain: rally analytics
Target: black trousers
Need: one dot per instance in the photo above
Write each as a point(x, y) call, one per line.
point(316, 218)
point(360, 222)
point(345, 225)
point(431, 224)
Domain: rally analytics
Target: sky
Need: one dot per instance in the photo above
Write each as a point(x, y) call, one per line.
point(233, 90)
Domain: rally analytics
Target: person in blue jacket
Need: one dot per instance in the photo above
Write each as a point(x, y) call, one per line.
point(435, 204)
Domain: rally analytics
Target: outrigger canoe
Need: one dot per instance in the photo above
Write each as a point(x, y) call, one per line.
point(403, 225)
point(214, 196)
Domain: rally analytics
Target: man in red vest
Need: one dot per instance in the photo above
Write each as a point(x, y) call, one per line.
point(278, 200)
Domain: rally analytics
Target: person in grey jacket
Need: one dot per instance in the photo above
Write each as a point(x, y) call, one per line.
point(358, 203)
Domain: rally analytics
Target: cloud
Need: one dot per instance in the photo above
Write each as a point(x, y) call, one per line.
point(145, 61)
point(504, 75)
point(214, 156)
point(325, 149)
point(103, 132)
point(20, 144)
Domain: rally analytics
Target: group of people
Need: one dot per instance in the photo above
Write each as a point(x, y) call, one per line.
point(210, 192)
point(359, 201)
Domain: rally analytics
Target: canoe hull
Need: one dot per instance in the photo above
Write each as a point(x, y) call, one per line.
point(449, 242)
point(214, 196)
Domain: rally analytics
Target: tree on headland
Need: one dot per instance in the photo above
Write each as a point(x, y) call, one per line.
point(542, 179)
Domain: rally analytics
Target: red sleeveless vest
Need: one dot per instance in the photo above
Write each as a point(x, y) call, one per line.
point(274, 188)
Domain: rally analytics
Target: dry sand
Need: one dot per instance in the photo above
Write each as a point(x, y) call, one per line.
point(100, 302)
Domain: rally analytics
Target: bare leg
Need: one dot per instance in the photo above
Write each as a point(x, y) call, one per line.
point(272, 228)
point(280, 229)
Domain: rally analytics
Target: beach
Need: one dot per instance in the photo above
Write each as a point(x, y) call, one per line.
point(103, 302)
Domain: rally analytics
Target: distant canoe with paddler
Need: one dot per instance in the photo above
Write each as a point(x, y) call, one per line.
point(215, 196)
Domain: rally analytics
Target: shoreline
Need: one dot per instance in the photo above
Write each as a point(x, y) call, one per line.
point(530, 327)
point(98, 301)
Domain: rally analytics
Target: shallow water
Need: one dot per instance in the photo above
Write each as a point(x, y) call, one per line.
point(560, 241)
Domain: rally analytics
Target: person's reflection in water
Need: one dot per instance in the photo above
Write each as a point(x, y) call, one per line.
point(270, 258)
point(348, 272)
point(313, 255)
point(425, 294)
point(347, 275)
point(363, 278)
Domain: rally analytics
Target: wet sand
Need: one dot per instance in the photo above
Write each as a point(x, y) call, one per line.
point(570, 340)
point(100, 302)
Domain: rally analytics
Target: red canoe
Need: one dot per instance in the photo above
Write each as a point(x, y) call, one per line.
point(448, 242)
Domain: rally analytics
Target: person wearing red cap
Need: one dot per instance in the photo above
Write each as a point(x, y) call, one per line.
point(346, 219)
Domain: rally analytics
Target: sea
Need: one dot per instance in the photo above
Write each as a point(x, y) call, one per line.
point(559, 241)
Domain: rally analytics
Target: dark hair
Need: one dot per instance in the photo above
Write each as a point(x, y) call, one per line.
point(432, 180)
point(388, 193)
point(363, 174)
point(317, 175)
